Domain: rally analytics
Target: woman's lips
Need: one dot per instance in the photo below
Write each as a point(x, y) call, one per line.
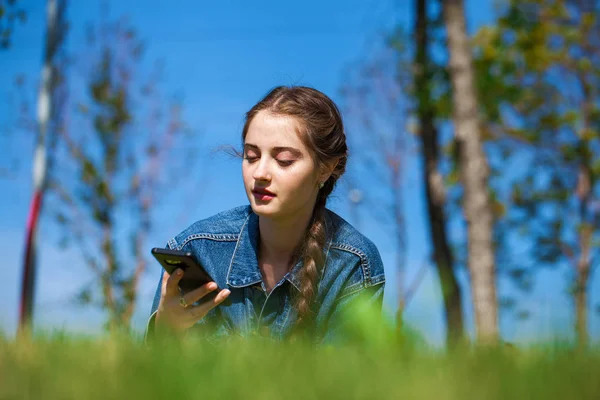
point(263, 195)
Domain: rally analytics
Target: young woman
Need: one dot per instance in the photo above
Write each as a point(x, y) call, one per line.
point(286, 263)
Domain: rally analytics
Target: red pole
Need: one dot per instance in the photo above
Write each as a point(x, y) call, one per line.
point(28, 282)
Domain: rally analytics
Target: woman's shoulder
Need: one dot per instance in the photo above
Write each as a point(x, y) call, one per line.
point(346, 238)
point(343, 235)
point(225, 225)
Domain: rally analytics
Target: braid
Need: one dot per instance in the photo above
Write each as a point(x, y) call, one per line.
point(313, 259)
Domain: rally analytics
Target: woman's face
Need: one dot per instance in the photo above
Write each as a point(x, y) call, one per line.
point(280, 175)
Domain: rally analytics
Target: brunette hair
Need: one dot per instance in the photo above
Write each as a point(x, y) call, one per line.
point(322, 131)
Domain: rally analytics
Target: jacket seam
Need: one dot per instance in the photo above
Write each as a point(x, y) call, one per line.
point(328, 229)
point(357, 287)
point(210, 236)
point(364, 260)
point(237, 245)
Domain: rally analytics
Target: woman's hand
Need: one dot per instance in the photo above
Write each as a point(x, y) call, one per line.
point(174, 316)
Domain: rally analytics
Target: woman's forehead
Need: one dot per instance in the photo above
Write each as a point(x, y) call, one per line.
point(267, 130)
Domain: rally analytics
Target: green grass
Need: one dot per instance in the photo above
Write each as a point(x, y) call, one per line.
point(67, 367)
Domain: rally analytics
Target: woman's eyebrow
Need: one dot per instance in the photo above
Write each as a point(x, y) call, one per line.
point(276, 150)
point(292, 150)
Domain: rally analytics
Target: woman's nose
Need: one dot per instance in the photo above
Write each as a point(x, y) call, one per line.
point(261, 173)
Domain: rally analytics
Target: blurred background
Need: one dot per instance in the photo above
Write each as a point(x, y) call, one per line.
point(114, 117)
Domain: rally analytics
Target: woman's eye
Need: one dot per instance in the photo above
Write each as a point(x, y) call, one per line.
point(250, 159)
point(285, 163)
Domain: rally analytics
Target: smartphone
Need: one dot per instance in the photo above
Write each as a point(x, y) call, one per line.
point(194, 274)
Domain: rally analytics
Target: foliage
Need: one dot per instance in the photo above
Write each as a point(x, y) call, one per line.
point(539, 73)
point(10, 14)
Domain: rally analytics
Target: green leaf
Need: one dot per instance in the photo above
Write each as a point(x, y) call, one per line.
point(585, 64)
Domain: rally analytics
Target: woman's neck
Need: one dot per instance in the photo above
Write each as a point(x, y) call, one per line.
point(279, 239)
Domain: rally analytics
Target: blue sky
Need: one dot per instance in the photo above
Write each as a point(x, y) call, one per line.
point(223, 56)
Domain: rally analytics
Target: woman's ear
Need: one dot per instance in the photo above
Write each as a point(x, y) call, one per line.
point(327, 169)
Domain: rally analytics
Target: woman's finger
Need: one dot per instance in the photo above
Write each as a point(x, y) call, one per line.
point(165, 278)
point(201, 310)
point(172, 288)
point(196, 294)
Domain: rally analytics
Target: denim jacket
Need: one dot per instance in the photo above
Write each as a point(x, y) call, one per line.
point(226, 245)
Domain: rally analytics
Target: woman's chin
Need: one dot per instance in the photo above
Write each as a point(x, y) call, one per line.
point(263, 210)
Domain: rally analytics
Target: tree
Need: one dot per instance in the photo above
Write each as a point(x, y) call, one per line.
point(433, 180)
point(385, 96)
point(378, 108)
point(121, 143)
point(540, 70)
point(474, 174)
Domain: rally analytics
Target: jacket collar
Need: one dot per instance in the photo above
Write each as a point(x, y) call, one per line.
point(243, 269)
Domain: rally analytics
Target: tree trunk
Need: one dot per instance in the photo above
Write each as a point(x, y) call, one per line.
point(399, 233)
point(581, 322)
point(474, 175)
point(433, 182)
point(584, 192)
point(583, 268)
